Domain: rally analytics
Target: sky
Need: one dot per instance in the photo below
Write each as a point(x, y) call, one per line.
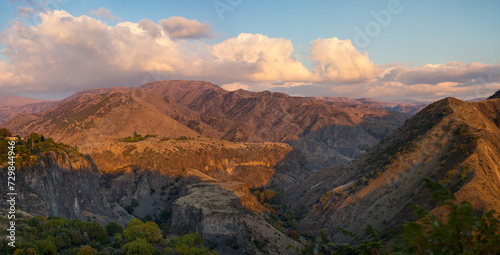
point(407, 50)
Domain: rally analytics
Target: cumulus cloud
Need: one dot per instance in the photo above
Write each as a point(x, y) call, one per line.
point(259, 58)
point(68, 53)
point(338, 60)
point(151, 27)
point(105, 14)
point(182, 28)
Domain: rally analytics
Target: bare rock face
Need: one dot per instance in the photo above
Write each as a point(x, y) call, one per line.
point(65, 186)
point(213, 212)
point(216, 212)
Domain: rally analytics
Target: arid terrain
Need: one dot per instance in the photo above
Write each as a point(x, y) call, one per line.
point(244, 168)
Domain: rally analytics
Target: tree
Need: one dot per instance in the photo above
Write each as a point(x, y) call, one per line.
point(62, 240)
point(138, 247)
point(5, 132)
point(148, 231)
point(96, 231)
point(188, 244)
point(87, 250)
point(34, 137)
point(29, 251)
point(47, 247)
point(113, 228)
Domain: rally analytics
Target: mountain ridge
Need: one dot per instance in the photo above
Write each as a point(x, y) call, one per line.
point(326, 134)
point(452, 141)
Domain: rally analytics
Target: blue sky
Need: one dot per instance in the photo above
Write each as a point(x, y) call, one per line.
point(423, 32)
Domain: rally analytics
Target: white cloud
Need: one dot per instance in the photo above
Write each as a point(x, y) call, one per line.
point(151, 27)
point(67, 53)
point(338, 61)
point(105, 14)
point(259, 58)
point(447, 72)
point(182, 28)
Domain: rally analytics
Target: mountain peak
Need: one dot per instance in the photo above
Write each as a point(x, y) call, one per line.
point(496, 95)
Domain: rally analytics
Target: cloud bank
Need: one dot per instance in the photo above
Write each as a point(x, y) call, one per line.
point(68, 53)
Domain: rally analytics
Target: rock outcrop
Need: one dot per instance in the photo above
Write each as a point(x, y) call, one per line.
point(60, 185)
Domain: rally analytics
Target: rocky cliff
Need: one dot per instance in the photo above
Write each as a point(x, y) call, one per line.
point(60, 185)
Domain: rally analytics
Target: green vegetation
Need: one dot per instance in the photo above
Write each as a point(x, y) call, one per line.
point(58, 235)
point(28, 151)
point(136, 137)
point(461, 231)
point(5, 132)
point(183, 138)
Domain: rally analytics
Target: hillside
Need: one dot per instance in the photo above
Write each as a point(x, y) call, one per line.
point(186, 185)
point(324, 134)
point(90, 119)
point(454, 142)
point(204, 184)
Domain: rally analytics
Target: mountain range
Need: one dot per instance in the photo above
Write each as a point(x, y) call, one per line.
point(242, 168)
point(325, 134)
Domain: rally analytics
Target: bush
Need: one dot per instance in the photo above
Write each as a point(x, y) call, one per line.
point(293, 234)
point(135, 203)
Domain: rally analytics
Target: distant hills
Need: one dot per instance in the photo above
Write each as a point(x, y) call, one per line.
point(10, 106)
point(410, 108)
point(18, 101)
